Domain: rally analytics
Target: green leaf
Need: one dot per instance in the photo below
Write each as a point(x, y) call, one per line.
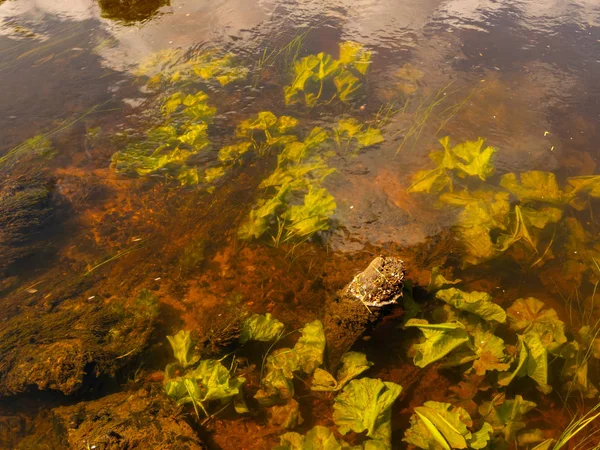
point(589, 184)
point(440, 425)
point(470, 157)
point(478, 303)
point(525, 221)
point(529, 315)
point(318, 438)
point(258, 220)
point(574, 373)
point(285, 416)
point(276, 389)
point(439, 340)
point(436, 416)
point(231, 153)
point(438, 281)
point(310, 346)
point(490, 351)
point(346, 85)
point(507, 418)
point(353, 53)
point(484, 211)
point(430, 181)
point(353, 364)
point(183, 348)
point(351, 128)
point(260, 328)
point(504, 379)
point(312, 216)
point(481, 438)
point(535, 186)
point(216, 381)
point(537, 361)
point(213, 174)
point(365, 405)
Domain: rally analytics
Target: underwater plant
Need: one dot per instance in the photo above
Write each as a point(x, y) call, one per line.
point(314, 75)
point(196, 381)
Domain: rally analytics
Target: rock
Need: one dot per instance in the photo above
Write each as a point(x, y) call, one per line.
point(361, 304)
point(25, 210)
point(144, 419)
point(57, 349)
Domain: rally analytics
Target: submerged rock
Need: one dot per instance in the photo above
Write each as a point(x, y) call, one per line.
point(56, 350)
point(25, 209)
point(126, 420)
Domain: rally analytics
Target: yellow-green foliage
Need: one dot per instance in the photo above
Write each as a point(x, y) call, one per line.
point(299, 207)
point(168, 147)
point(168, 67)
point(315, 74)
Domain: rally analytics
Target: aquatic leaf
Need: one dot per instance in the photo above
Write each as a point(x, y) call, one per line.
point(534, 186)
point(216, 381)
point(410, 73)
point(171, 104)
point(480, 439)
point(195, 135)
point(310, 346)
point(182, 345)
point(295, 152)
point(231, 153)
point(524, 219)
point(470, 157)
point(353, 364)
point(478, 303)
point(275, 389)
point(438, 281)
point(490, 351)
point(440, 339)
point(285, 416)
point(507, 418)
point(213, 174)
point(298, 177)
point(350, 128)
point(304, 69)
point(353, 53)
point(318, 438)
point(574, 373)
point(327, 66)
point(260, 328)
point(484, 211)
point(536, 365)
point(365, 405)
point(346, 85)
point(520, 370)
point(173, 382)
point(529, 315)
point(589, 184)
point(264, 120)
point(430, 181)
point(445, 424)
point(257, 222)
point(438, 425)
point(312, 216)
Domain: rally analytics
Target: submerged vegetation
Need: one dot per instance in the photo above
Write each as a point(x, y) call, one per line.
point(504, 362)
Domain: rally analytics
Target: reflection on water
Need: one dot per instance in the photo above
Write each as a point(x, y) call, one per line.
point(140, 137)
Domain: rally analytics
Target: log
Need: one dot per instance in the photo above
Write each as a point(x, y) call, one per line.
point(361, 304)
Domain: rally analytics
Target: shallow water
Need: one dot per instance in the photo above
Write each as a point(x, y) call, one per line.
point(521, 74)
